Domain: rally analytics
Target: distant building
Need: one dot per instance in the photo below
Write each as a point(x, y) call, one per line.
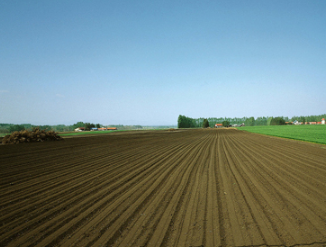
point(218, 125)
point(80, 129)
point(323, 121)
point(238, 125)
point(94, 129)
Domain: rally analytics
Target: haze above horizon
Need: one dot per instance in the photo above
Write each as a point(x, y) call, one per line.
point(146, 62)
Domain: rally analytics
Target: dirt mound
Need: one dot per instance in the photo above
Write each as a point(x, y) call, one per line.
point(36, 135)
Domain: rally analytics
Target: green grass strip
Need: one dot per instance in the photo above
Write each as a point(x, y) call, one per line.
point(309, 133)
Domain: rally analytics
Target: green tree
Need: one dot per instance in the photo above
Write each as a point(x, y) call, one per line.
point(269, 120)
point(98, 125)
point(78, 124)
point(278, 121)
point(62, 128)
point(181, 121)
point(212, 121)
point(205, 123)
point(250, 121)
point(226, 123)
point(261, 121)
point(16, 127)
point(88, 126)
point(303, 120)
point(186, 122)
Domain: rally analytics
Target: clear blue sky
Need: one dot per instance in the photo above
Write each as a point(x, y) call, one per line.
point(145, 62)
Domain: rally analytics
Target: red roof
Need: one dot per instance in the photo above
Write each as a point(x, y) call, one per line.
point(218, 124)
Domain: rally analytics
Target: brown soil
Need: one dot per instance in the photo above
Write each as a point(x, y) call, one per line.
point(159, 188)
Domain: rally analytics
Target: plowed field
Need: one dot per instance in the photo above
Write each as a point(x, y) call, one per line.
point(164, 188)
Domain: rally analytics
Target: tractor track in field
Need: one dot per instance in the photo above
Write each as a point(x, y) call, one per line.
point(183, 188)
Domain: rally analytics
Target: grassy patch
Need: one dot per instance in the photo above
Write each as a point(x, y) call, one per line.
point(4, 134)
point(310, 133)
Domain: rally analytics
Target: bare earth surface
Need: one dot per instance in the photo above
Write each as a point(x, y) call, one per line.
point(164, 188)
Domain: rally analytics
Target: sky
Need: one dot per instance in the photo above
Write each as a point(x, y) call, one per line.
point(146, 62)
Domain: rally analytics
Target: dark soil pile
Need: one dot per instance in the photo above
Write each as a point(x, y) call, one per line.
point(36, 135)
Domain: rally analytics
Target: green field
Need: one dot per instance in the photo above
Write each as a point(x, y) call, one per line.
point(310, 133)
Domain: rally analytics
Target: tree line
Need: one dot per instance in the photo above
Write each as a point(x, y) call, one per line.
point(187, 122)
point(10, 128)
point(6, 128)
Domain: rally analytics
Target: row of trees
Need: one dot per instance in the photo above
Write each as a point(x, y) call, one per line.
point(9, 128)
point(187, 122)
point(277, 121)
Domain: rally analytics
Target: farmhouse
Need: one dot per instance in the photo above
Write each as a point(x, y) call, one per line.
point(95, 129)
point(296, 122)
point(314, 123)
point(218, 125)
